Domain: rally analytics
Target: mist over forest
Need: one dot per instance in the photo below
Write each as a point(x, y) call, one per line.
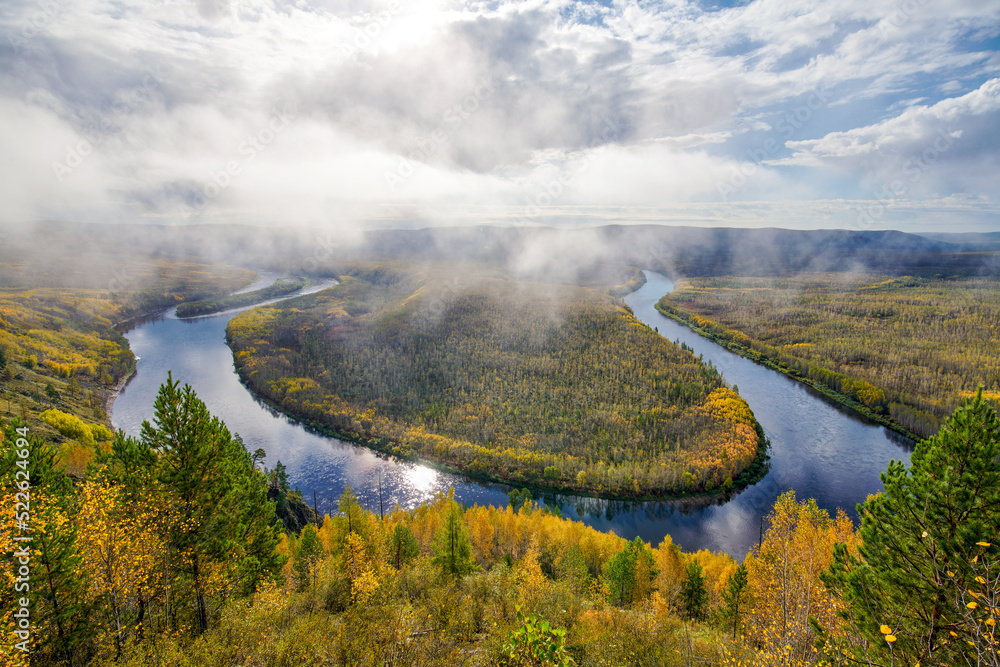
point(533, 333)
point(557, 254)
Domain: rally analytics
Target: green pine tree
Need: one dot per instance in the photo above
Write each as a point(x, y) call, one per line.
point(452, 547)
point(908, 589)
point(222, 518)
point(403, 546)
point(629, 573)
point(307, 557)
point(278, 477)
point(734, 598)
point(694, 594)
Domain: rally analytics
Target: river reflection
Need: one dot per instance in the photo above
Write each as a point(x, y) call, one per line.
point(817, 448)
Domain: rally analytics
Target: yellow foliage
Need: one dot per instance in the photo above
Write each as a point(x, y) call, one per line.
point(783, 576)
point(72, 426)
point(587, 397)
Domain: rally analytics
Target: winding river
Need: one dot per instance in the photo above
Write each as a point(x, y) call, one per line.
point(818, 448)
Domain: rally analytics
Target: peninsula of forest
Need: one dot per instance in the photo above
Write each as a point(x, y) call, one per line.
point(532, 383)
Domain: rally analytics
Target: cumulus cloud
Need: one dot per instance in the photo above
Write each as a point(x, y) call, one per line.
point(919, 149)
point(277, 111)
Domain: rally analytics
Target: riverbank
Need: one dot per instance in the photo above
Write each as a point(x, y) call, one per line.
point(136, 316)
point(553, 387)
point(111, 394)
point(752, 474)
point(686, 319)
point(813, 440)
point(634, 283)
point(280, 288)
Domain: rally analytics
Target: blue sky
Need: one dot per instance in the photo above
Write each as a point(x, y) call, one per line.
point(862, 114)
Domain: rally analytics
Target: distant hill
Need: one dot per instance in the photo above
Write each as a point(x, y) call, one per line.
point(970, 240)
point(555, 255)
point(567, 255)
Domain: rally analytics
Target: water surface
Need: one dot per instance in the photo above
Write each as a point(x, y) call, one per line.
point(818, 448)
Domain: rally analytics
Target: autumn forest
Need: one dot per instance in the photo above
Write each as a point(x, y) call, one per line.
point(181, 544)
point(552, 385)
point(908, 349)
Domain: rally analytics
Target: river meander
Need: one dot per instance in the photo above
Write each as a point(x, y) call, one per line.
point(818, 448)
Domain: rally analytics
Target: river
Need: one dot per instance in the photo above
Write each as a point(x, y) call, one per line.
point(818, 448)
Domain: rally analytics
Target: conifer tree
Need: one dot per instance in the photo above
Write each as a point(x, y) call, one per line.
point(694, 594)
point(734, 597)
point(307, 556)
point(402, 546)
point(926, 539)
point(452, 546)
point(221, 516)
point(630, 573)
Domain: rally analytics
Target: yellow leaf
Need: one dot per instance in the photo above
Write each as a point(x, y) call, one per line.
point(885, 630)
point(972, 605)
point(890, 638)
point(984, 544)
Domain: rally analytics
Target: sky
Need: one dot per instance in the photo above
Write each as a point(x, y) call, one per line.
point(855, 114)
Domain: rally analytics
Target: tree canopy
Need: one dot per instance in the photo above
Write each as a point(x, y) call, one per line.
point(925, 574)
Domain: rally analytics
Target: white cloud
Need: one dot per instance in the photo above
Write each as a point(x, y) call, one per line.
point(911, 148)
point(377, 84)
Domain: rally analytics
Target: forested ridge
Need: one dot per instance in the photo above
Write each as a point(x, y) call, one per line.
point(281, 287)
point(906, 349)
point(535, 383)
point(61, 356)
point(166, 554)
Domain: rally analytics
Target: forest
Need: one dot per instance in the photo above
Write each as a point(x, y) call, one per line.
point(61, 355)
point(177, 547)
point(906, 350)
point(281, 287)
point(168, 554)
point(540, 384)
